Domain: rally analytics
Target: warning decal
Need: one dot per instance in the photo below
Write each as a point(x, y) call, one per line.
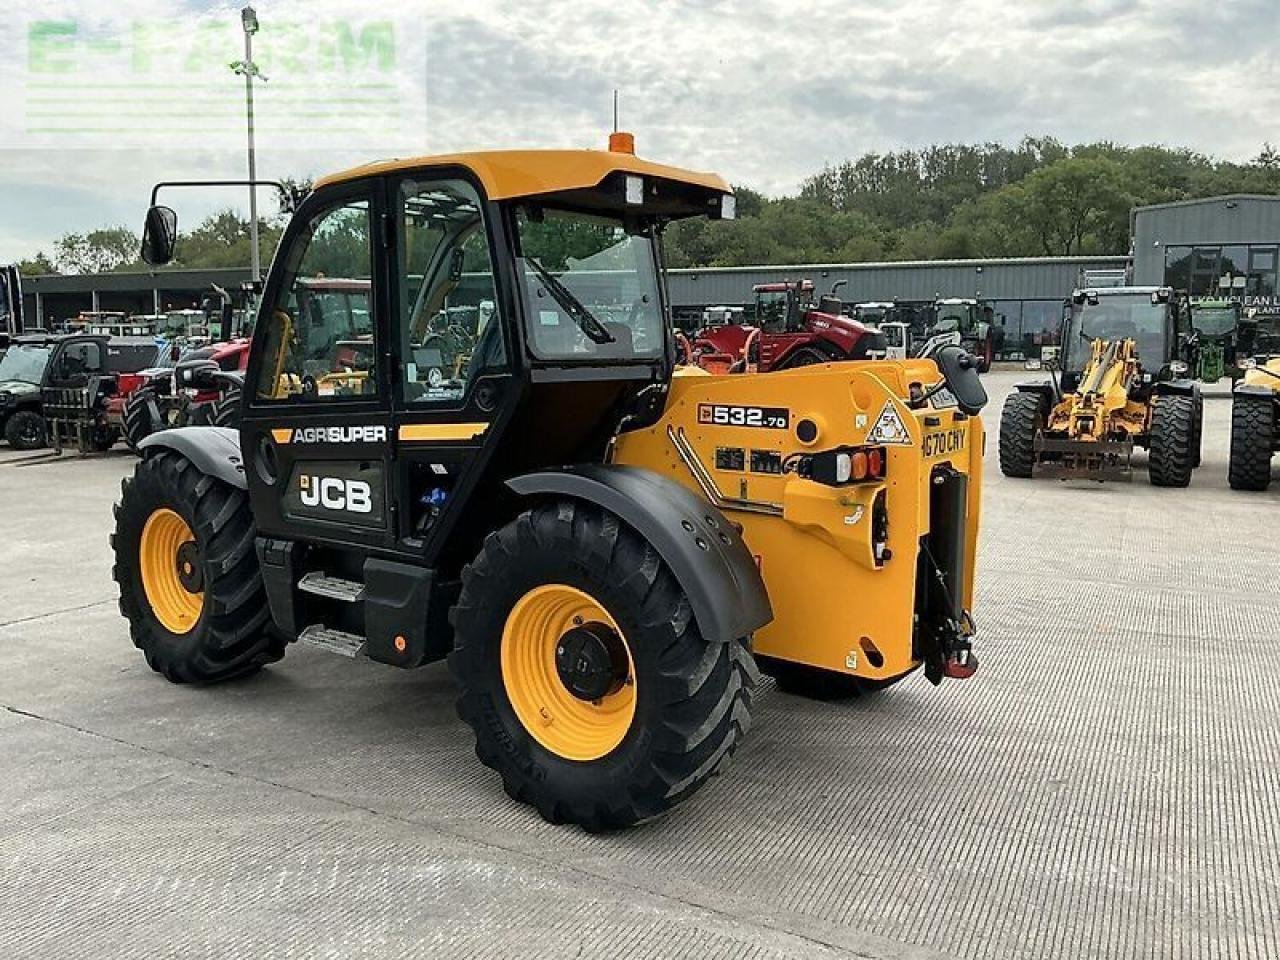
point(889, 428)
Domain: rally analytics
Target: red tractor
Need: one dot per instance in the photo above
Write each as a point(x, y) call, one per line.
point(789, 331)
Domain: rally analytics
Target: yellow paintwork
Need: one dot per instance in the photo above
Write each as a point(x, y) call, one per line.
point(177, 609)
point(508, 174)
point(816, 558)
point(1255, 377)
point(442, 431)
point(1101, 409)
point(568, 727)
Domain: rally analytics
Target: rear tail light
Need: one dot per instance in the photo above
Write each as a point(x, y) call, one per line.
point(845, 465)
point(128, 382)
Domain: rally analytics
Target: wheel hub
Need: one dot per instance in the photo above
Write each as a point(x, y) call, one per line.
point(591, 661)
point(190, 570)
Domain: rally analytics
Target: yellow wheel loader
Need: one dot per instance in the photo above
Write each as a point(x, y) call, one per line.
point(600, 549)
point(1122, 385)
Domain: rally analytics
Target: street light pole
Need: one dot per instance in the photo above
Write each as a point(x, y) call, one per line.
point(249, 20)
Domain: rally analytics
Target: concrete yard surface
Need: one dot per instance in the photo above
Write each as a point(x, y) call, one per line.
point(1108, 785)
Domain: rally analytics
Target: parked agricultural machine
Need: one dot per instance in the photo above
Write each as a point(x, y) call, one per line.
point(789, 330)
point(1255, 409)
point(1121, 385)
point(1211, 349)
point(603, 551)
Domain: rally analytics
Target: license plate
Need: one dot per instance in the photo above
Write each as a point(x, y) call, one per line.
point(944, 443)
point(944, 399)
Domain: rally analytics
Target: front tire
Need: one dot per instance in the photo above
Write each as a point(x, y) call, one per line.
point(674, 705)
point(188, 576)
point(1020, 421)
point(1253, 440)
point(25, 430)
point(1173, 430)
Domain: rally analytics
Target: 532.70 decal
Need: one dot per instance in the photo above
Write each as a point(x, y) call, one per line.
point(731, 415)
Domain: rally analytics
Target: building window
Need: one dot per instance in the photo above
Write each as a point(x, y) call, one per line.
point(1205, 272)
point(1262, 272)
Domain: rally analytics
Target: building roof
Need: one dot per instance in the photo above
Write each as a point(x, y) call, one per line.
point(1206, 201)
point(507, 174)
point(900, 264)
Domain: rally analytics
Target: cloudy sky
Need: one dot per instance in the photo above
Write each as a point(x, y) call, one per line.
point(99, 104)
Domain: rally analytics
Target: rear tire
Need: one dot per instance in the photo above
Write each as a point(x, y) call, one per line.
point(1173, 427)
point(141, 417)
point(691, 698)
point(224, 631)
point(1197, 441)
point(225, 411)
point(25, 430)
point(806, 357)
point(102, 439)
point(1020, 421)
point(1253, 440)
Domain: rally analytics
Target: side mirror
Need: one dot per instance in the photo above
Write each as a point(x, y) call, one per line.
point(960, 370)
point(197, 374)
point(159, 236)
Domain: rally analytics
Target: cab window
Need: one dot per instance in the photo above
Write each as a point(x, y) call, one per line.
point(319, 341)
point(449, 328)
point(591, 285)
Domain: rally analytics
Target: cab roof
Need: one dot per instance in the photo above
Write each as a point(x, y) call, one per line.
point(510, 174)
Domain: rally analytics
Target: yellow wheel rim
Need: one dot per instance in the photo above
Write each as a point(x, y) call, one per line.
point(171, 574)
point(569, 727)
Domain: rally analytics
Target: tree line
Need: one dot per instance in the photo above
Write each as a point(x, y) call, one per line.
point(1039, 198)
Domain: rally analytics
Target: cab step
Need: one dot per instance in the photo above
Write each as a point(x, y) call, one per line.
point(334, 641)
point(335, 588)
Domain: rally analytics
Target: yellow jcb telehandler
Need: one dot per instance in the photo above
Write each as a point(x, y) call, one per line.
point(601, 550)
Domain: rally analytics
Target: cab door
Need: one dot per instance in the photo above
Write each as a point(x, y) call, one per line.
point(453, 352)
point(316, 433)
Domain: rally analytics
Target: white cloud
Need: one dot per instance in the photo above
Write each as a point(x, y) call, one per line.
point(764, 91)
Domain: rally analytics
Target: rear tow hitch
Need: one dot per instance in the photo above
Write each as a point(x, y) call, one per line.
point(960, 665)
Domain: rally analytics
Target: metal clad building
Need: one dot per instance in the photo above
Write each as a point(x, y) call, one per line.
point(1211, 247)
point(1027, 292)
point(1030, 278)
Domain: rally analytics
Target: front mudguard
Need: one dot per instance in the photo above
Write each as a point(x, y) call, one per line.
point(214, 450)
point(703, 549)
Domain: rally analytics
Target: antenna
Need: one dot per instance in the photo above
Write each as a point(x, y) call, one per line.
point(615, 110)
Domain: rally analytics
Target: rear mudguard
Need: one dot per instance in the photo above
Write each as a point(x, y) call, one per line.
point(703, 549)
point(215, 450)
point(1177, 388)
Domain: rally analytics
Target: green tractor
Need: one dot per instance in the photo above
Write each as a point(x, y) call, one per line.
point(1215, 336)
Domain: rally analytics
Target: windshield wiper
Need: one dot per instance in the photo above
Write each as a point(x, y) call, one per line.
point(584, 318)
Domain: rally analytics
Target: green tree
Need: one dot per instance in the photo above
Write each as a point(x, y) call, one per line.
point(98, 251)
point(37, 266)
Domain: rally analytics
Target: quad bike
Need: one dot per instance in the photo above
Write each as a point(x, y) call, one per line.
point(1114, 394)
point(605, 553)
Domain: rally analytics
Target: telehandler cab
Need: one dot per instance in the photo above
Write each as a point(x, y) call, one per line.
point(1122, 383)
point(591, 541)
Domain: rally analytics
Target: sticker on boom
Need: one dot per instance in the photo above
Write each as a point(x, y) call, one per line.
point(731, 415)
